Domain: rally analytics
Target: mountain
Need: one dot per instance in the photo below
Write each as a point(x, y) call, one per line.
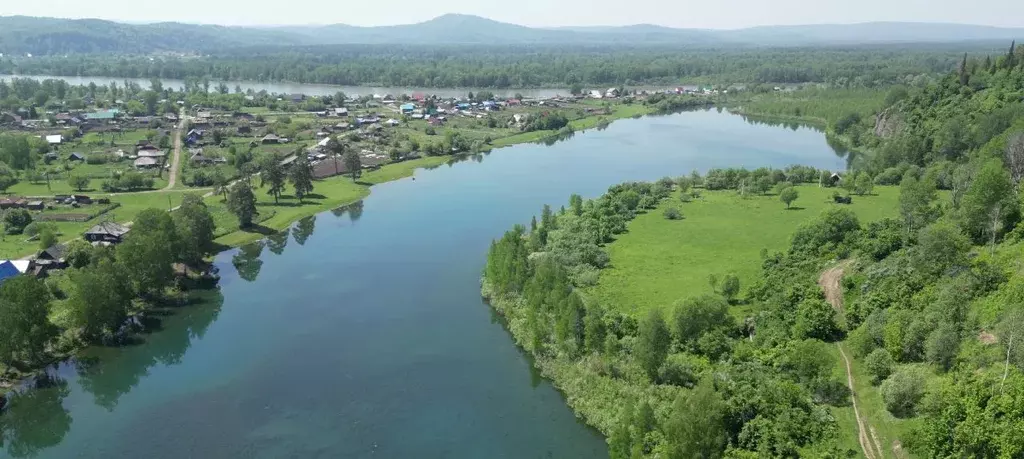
point(20, 34)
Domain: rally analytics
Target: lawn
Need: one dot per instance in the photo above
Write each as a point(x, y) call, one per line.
point(659, 261)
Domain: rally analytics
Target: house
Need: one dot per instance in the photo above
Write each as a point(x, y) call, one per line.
point(199, 159)
point(150, 154)
point(419, 96)
point(76, 157)
point(12, 203)
point(270, 139)
point(81, 199)
point(244, 129)
point(408, 108)
point(297, 98)
point(106, 232)
point(392, 122)
point(832, 180)
point(52, 257)
point(611, 93)
point(438, 121)
point(35, 205)
point(323, 143)
point(171, 117)
point(147, 162)
point(243, 116)
point(342, 126)
point(54, 139)
point(341, 111)
point(11, 268)
point(596, 94)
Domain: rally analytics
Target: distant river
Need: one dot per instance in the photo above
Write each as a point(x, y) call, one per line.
point(302, 88)
point(360, 333)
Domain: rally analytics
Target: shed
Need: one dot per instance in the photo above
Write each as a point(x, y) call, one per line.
point(54, 139)
point(35, 205)
point(76, 157)
point(270, 139)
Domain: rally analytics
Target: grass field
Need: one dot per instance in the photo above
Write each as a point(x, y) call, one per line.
point(659, 261)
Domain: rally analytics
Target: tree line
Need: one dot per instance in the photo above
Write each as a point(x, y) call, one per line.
point(933, 305)
point(514, 66)
point(91, 301)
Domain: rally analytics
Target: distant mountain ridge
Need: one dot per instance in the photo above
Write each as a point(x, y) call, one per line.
point(20, 34)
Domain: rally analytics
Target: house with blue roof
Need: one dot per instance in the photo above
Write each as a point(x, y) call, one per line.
point(407, 109)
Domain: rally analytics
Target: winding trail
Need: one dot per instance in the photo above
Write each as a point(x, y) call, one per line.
point(829, 281)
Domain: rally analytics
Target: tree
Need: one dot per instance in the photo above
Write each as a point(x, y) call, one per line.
point(696, 428)
point(1010, 331)
point(242, 203)
point(864, 184)
point(695, 316)
point(78, 253)
point(148, 252)
point(301, 175)
point(47, 239)
point(195, 227)
point(815, 319)
point(940, 246)
point(1015, 156)
point(916, 198)
point(788, 195)
point(24, 306)
point(98, 299)
point(78, 182)
point(7, 177)
point(988, 201)
point(653, 342)
point(353, 163)
point(902, 391)
point(671, 213)
point(730, 286)
point(272, 176)
point(879, 365)
point(942, 345)
point(16, 220)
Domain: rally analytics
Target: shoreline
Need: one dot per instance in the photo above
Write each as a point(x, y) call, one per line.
point(397, 171)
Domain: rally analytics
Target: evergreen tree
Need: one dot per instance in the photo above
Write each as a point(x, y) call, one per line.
point(302, 177)
point(272, 176)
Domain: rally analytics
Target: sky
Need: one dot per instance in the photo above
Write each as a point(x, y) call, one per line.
point(712, 14)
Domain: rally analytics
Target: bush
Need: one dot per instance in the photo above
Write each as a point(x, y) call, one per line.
point(672, 213)
point(890, 176)
point(902, 391)
point(678, 370)
point(101, 158)
point(16, 220)
point(879, 365)
point(35, 228)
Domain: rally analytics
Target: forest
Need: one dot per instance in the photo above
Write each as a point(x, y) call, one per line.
point(509, 66)
point(931, 304)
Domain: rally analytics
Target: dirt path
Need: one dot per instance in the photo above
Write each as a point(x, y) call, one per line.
point(830, 283)
point(172, 178)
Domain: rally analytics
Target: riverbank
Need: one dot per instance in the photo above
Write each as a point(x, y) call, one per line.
point(339, 191)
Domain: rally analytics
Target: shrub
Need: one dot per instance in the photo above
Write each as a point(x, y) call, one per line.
point(36, 228)
point(678, 370)
point(879, 364)
point(672, 213)
point(902, 391)
point(16, 220)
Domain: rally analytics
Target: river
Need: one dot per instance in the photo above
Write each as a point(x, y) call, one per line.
point(361, 332)
point(303, 88)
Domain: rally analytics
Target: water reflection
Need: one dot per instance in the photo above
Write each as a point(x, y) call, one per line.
point(304, 229)
point(247, 261)
point(779, 122)
point(354, 211)
point(22, 431)
point(112, 372)
point(278, 241)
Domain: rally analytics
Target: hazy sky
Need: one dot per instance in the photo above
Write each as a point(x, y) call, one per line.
point(688, 13)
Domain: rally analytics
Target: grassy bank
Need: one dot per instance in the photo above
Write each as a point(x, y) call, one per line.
point(659, 261)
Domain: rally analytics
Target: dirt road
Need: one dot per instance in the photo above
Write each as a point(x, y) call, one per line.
point(830, 283)
point(172, 177)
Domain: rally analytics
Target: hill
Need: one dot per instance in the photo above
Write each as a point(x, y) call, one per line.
point(20, 34)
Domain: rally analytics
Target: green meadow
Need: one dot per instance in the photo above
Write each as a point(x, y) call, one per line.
point(659, 261)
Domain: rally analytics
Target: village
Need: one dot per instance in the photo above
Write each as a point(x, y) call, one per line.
point(95, 167)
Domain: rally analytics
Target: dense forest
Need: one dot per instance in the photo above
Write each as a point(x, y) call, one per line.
point(934, 305)
point(518, 66)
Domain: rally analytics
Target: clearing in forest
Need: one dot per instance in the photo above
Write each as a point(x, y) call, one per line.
point(659, 261)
